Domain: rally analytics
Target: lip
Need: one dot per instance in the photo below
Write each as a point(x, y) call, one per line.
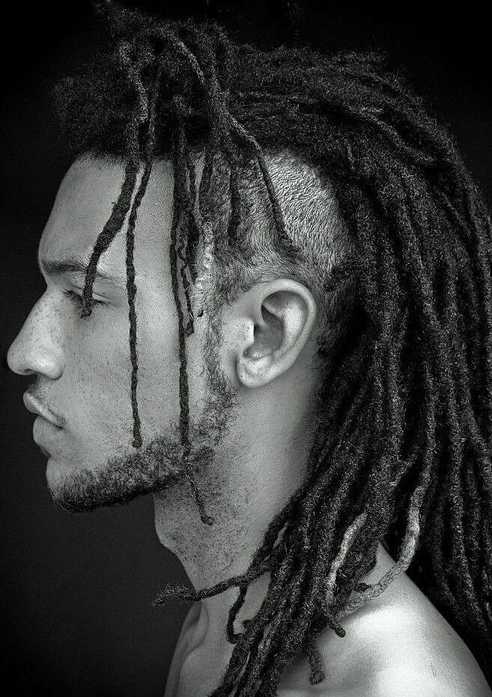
point(41, 447)
point(35, 407)
point(44, 435)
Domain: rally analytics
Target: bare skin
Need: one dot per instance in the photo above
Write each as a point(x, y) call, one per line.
point(397, 646)
point(81, 371)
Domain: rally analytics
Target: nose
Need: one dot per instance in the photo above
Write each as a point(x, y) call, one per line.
point(36, 348)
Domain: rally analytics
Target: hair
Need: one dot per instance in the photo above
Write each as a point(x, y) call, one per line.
point(402, 451)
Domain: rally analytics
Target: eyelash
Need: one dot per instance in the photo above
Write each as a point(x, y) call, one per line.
point(77, 299)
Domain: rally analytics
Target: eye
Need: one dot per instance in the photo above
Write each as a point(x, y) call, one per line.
point(76, 299)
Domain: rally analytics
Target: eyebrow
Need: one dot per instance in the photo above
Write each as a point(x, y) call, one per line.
point(57, 267)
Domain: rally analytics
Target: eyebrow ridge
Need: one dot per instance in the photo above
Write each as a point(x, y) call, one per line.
point(54, 267)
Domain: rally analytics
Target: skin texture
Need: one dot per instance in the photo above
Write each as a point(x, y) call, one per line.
point(81, 371)
point(81, 366)
point(242, 412)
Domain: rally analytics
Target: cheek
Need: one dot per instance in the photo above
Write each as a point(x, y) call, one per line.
point(158, 361)
point(98, 368)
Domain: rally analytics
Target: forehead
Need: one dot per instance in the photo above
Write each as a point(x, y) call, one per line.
point(84, 202)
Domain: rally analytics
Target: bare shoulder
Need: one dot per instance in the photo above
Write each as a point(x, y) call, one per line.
point(397, 682)
point(399, 646)
point(402, 681)
point(407, 649)
point(406, 672)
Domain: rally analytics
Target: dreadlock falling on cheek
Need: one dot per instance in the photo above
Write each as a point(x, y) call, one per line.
point(402, 452)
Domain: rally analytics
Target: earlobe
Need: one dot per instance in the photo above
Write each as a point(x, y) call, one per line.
point(282, 314)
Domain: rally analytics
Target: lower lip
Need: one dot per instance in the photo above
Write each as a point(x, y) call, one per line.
point(43, 430)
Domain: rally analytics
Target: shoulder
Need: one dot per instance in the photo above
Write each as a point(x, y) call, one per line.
point(385, 684)
point(404, 681)
point(400, 680)
point(398, 645)
point(399, 649)
point(411, 651)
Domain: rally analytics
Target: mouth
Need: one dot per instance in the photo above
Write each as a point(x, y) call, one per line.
point(33, 405)
point(43, 434)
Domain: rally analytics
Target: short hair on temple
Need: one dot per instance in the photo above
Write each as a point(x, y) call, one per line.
point(402, 453)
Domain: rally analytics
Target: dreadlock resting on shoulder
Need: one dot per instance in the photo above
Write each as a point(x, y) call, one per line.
point(276, 267)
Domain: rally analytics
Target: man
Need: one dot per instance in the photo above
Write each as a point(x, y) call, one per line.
point(306, 280)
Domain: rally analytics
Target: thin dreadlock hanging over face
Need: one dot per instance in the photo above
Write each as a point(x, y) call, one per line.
point(162, 44)
point(404, 432)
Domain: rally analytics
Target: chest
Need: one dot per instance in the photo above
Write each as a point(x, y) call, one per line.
point(198, 674)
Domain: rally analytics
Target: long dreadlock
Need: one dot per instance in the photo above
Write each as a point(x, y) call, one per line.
point(404, 434)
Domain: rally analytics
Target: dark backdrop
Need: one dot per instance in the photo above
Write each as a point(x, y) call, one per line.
point(76, 590)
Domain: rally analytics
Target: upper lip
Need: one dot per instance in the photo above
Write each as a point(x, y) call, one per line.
point(33, 405)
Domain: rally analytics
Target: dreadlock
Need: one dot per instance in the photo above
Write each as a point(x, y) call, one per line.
point(403, 441)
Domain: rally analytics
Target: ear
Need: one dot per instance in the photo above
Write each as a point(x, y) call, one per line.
point(276, 322)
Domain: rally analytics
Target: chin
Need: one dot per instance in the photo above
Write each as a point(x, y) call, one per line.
point(66, 486)
point(53, 472)
point(116, 482)
point(59, 473)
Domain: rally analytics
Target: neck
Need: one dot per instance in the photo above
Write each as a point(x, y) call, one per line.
point(243, 494)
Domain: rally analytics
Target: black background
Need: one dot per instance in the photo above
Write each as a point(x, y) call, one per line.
point(76, 590)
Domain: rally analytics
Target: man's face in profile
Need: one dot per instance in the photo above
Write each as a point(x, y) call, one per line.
point(81, 367)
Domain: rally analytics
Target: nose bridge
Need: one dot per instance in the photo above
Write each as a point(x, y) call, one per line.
point(37, 347)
